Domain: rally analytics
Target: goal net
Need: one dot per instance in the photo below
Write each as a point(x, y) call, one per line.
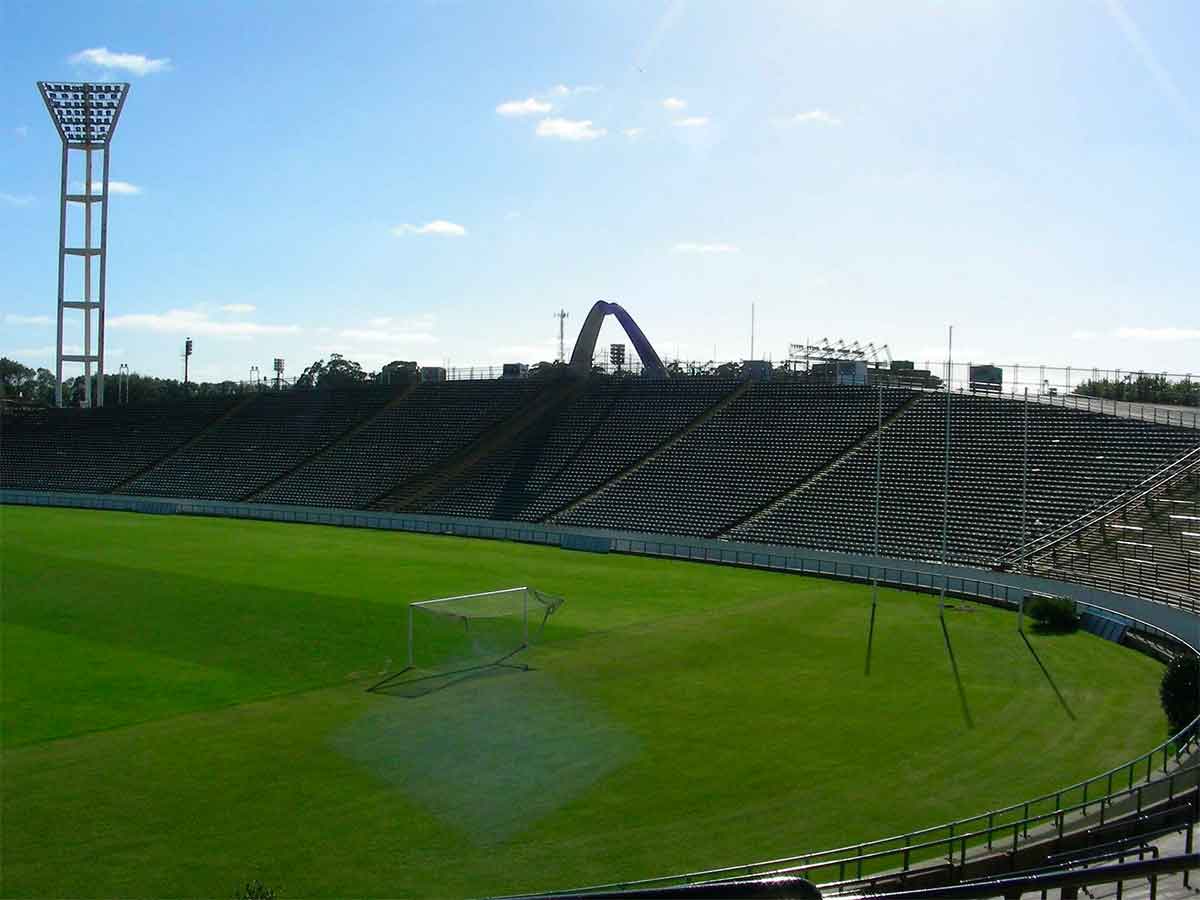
point(476, 630)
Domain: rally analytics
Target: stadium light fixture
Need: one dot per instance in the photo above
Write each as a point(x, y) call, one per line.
point(85, 115)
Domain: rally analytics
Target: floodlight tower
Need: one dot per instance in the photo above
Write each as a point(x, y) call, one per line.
point(86, 116)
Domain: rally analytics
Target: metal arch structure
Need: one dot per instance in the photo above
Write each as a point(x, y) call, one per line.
point(585, 344)
point(85, 116)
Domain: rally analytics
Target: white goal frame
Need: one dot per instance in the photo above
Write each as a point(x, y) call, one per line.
point(523, 590)
point(505, 603)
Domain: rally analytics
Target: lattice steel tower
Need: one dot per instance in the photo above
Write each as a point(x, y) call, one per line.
point(86, 116)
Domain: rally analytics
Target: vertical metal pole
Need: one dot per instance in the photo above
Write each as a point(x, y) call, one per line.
point(87, 270)
point(946, 475)
point(752, 330)
point(410, 636)
point(525, 619)
point(62, 274)
point(874, 571)
point(103, 273)
point(1024, 487)
point(878, 458)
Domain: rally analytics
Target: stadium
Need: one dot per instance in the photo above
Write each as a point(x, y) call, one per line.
point(757, 616)
point(588, 619)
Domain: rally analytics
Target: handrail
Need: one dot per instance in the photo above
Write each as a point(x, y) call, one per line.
point(1146, 486)
point(953, 844)
point(1015, 886)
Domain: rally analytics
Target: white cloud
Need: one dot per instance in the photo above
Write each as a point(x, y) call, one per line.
point(633, 133)
point(183, 321)
point(570, 129)
point(17, 319)
point(562, 90)
point(438, 227)
point(674, 104)
point(691, 122)
point(1168, 334)
point(134, 63)
point(695, 247)
point(812, 117)
point(423, 322)
point(21, 131)
point(1084, 335)
point(385, 336)
point(239, 308)
point(530, 106)
point(16, 199)
point(114, 187)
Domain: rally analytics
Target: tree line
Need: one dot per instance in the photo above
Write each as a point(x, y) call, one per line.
point(35, 387)
point(1138, 387)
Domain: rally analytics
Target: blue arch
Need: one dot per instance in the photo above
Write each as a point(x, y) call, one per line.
point(585, 344)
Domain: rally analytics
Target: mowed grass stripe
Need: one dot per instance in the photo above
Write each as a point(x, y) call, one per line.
point(696, 715)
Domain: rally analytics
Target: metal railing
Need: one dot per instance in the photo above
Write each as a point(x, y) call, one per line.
point(1185, 464)
point(1065, 879)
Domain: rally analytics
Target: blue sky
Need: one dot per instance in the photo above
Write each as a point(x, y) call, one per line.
point(433, 180)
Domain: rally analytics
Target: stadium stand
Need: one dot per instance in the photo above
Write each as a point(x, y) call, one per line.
point(1151, 540)
point(770, 462)
point(1077, 461)
point(760, 446)
point(418, 432)
point(258, 443)
point(95, 450)
point(606, 430)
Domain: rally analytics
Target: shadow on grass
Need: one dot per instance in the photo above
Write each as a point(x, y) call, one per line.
point(1048, 628)
point(423, 685)
point(870, 639)
point(1049, 678)
point(962, 694)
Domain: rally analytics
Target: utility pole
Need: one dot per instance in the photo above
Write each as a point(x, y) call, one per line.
point(187, 355)
point(562, 316)
point(752, 329)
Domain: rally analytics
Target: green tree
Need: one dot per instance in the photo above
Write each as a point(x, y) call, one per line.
point(1180, 692)
point(16, 380)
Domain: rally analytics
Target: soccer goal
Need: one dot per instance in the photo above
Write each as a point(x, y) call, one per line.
point(449, 635)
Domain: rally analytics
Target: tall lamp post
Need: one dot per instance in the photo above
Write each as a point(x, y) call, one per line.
point(85, 115)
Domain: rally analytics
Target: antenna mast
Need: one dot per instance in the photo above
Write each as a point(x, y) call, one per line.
point(562, 316)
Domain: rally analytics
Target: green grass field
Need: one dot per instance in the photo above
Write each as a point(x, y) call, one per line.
point(184, 709)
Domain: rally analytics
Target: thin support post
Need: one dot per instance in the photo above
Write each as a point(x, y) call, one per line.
point(946, 473)
point(411, 662)
point(874, 572)
point(62, 275)
point(87, 274)
point(103, 275)
point(1024, 488)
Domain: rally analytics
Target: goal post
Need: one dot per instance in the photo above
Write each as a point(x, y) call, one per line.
point(476, 630)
